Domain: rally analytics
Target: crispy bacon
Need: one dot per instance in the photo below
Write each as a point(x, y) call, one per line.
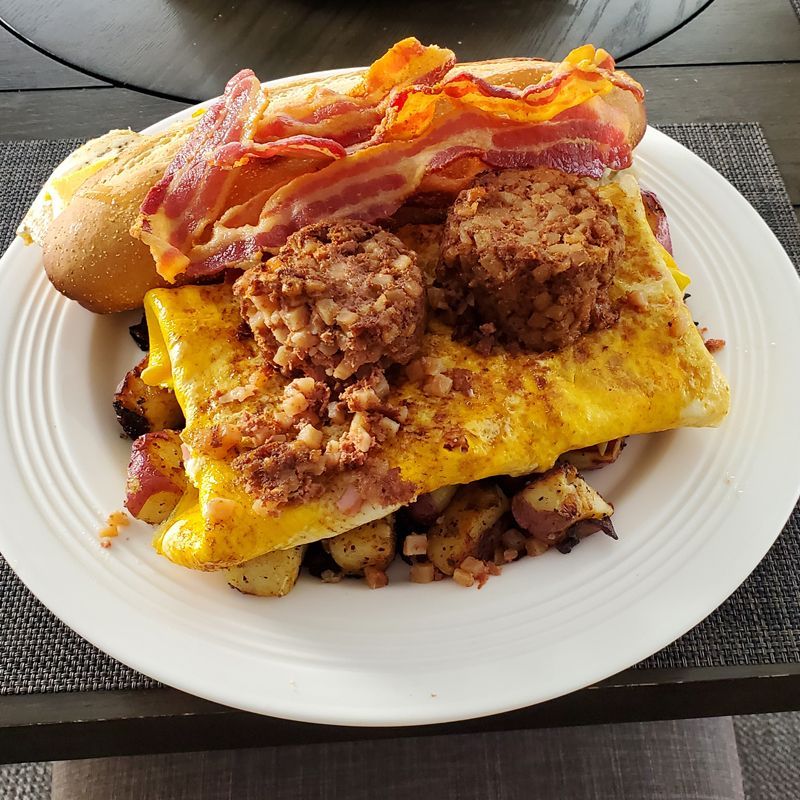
point(192, 192)
point(426, 125)
point(270, 177)
point(232, 153)
point(351, 118)
point(584, 74)
point(345, 123)
point(372, 183)
point(406, 63)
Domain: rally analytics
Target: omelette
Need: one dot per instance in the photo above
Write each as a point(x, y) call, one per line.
point(650, 371)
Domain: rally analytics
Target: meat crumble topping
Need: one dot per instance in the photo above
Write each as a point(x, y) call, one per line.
point(524, 258)
point(339, 295)
point(532, 253)
point(321, 429)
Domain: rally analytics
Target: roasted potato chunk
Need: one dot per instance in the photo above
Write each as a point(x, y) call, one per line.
point(594, 457)
point(142, 409)
point(156, 478)
point(271, 575)
point(548, 506)
point(468, 526)
point(657, 219)
point(427, 508)
point(370, 545)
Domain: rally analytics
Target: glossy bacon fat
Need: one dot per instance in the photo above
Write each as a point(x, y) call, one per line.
point(368, 151)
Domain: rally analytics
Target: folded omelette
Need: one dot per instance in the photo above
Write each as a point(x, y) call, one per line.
point(649, 372)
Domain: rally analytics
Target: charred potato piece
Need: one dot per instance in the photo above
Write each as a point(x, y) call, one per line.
point(657, 219)
point(594, 457)
point(156, 478)
point(271, 575)
point(548, 506)
point(142, 409)
point(370, 545)
point(317, 560)
point(468, 526)
point(511, 484)
point(580, 530)
point(140, 334)
point(427, 508)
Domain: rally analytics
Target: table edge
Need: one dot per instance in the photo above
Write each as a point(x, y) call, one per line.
point(72, 725)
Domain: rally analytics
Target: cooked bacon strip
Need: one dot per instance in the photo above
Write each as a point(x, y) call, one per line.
point(352, 117)
point(346, 123)
point(560, 121)
point(405, 63)
point(192, 192)
point(232, 153)
point(372, 183)
point(270, 179)
point(585, 73)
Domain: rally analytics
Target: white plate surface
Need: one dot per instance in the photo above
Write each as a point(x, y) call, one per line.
point(696, 511)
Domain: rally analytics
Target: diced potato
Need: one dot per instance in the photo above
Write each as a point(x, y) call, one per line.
point(468, 527)
point(594, 457)
point(554, 502)
point(271, 575)
point(156, 478)
point(427, 508)
point(142, 409)
point(370, 545)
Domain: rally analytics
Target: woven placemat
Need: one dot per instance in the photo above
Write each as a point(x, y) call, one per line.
point(759, 624)
point(29, 781)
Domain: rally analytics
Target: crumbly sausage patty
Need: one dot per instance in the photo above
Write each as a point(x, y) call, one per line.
point(532, 252)
point(338, 295)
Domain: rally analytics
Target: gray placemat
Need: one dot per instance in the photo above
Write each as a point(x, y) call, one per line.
point(760, 623)
point(29, 781)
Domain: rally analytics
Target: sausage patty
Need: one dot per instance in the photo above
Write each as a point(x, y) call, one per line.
point(338, 295)
point(533, 252)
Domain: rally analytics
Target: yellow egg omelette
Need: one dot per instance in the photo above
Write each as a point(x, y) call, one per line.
point(648, 372)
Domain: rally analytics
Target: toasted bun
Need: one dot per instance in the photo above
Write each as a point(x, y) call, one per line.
point(89, 254)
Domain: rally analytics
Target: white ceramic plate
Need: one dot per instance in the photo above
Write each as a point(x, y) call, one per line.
point(697, 510)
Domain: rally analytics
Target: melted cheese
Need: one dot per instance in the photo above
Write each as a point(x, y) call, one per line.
point(527, 409)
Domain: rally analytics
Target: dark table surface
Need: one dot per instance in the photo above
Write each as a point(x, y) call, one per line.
point(189, 49)
point(742, 62)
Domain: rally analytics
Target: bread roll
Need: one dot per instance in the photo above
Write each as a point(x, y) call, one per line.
point(89, 254)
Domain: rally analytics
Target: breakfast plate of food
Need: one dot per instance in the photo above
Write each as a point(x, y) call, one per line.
point(339, 397)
